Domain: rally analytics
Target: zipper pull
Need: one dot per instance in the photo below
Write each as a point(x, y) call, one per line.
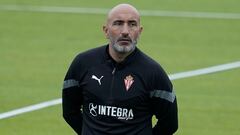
point(113, 72)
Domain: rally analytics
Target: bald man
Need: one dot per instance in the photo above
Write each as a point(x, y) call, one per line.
point(116, 89)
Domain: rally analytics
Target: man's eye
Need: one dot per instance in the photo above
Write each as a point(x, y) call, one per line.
point(133, 24)
point(117, 23)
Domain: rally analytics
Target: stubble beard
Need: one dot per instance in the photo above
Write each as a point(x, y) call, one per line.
point(123, 49)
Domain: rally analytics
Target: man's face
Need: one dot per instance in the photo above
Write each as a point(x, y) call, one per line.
point(123, 30)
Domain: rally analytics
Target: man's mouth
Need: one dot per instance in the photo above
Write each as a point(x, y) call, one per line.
point(124, 41)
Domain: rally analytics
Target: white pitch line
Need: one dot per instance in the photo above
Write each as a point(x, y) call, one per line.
point(176, 76)
point(158, 13)
point(203, 71)
point(30, 108)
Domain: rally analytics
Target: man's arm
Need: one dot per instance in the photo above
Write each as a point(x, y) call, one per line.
point(164, 104)
point(166, 114)
point(72, 97)
point(72, 108)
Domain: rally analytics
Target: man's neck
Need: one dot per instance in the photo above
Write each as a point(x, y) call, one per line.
point(118, 57)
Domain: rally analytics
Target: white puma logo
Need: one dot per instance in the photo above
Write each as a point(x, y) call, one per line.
point(95, 78)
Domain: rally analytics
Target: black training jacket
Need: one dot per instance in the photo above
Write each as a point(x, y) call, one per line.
point(102, 97)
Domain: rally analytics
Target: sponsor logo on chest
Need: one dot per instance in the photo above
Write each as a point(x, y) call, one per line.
point(111, 111)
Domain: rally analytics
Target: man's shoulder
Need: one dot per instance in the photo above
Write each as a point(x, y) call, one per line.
point(153, 70)
point(90, 57)
point(92, 53)
point(153, 66)
point(147, 60)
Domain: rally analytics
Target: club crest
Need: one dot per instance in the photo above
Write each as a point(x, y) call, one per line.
point(128, 82)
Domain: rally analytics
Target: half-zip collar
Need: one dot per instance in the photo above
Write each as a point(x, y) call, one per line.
point(107, 58)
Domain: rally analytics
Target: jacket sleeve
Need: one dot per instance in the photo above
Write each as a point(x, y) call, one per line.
point(164, 104)
point(72, 98)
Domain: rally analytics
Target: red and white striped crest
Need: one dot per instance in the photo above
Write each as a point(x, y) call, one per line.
point(128, 82)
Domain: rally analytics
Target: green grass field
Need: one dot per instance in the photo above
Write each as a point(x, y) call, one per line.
point(36, 49)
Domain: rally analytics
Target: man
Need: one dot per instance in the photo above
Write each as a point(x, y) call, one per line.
point(116, 89)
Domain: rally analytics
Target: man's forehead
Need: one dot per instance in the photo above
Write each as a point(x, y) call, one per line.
point(123, 11)
point(124, 17)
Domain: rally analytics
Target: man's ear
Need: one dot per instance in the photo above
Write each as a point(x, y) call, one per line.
point(105, 30)
point(141, 29)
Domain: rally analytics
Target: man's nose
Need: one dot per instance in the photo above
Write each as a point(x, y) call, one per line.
point(125, 30)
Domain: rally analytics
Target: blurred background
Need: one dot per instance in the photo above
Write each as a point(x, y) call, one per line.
point(39, 39)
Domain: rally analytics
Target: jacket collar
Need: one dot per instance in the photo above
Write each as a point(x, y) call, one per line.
point(128, 60)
